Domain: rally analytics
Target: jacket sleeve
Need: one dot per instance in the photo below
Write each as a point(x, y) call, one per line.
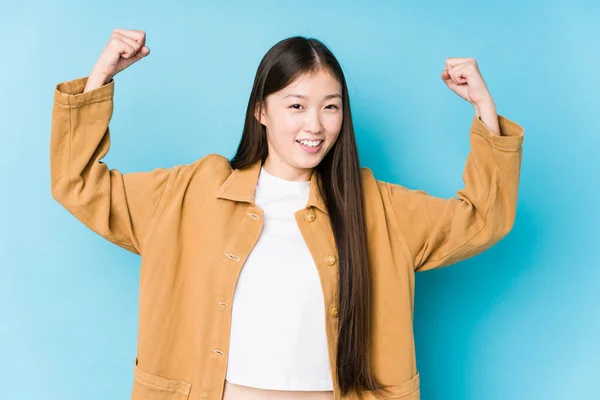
point(117, 206)
point(439, 231)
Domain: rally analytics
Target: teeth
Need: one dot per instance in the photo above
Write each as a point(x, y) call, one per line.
point(310, 143)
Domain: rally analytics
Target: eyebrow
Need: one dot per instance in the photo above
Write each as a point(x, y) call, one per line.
point(329, 96)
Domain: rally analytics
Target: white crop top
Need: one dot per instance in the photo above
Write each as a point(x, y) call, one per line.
point(278, 336)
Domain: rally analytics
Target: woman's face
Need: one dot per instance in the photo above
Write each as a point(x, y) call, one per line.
point(302, 121)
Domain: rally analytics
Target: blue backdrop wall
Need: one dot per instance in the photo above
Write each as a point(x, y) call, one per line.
point(517, 322)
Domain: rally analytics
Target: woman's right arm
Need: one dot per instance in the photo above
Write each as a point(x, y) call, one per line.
point(119, 207)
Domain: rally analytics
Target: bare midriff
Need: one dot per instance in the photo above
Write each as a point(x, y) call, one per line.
point(238, 392)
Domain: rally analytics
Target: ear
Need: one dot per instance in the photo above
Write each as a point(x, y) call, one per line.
point(262, 118)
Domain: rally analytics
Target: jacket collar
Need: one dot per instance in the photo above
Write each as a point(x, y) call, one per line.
point(241, 186)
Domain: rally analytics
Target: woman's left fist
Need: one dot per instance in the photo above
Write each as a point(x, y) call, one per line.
point(462, 76)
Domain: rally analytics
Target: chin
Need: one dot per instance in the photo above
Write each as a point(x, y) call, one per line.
point(308, 164)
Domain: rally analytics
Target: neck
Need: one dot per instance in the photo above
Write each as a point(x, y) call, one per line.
point(287, 172)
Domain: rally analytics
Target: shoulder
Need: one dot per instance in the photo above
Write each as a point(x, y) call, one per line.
point(211, 164)
point(370, 184)
point(214, 163)
point(210, 170)
point(373, 186)
point(366, 174)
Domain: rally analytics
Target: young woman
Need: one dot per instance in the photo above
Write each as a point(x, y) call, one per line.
point(286, 272)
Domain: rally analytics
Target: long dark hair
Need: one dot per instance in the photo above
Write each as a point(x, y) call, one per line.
point(339, 177)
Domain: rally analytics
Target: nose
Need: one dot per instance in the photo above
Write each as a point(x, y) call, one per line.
point(312, 122)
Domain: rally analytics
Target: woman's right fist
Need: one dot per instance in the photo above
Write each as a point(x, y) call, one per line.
point(124, 48)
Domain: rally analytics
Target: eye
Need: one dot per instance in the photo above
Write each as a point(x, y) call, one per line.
point(332, 105)
point(294, 106)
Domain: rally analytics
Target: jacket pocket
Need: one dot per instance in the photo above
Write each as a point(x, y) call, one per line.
point(409, 390)
point(147, 386)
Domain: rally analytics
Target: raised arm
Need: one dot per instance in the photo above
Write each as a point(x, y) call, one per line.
point(119, 207)
point(439, 231)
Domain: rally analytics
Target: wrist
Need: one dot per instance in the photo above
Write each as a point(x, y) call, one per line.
point(486, 112)
point(96, 80)
point(485, 105)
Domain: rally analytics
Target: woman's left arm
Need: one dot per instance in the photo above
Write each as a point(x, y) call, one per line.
point(440, 232)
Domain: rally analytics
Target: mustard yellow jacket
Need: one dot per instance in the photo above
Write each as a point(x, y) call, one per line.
point(194, 226)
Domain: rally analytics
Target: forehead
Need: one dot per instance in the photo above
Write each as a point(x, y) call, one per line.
point(313, 85)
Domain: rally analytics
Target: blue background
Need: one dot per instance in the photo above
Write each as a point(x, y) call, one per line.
point(520, 321)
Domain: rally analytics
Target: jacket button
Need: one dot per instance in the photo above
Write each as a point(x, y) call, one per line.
point(330, 259)
point(219, 352)
point(223, 304)
point(309, 216)
point(334, 312)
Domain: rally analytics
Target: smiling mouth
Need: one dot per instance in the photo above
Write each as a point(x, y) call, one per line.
point(311, 146)
point(310, 143)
